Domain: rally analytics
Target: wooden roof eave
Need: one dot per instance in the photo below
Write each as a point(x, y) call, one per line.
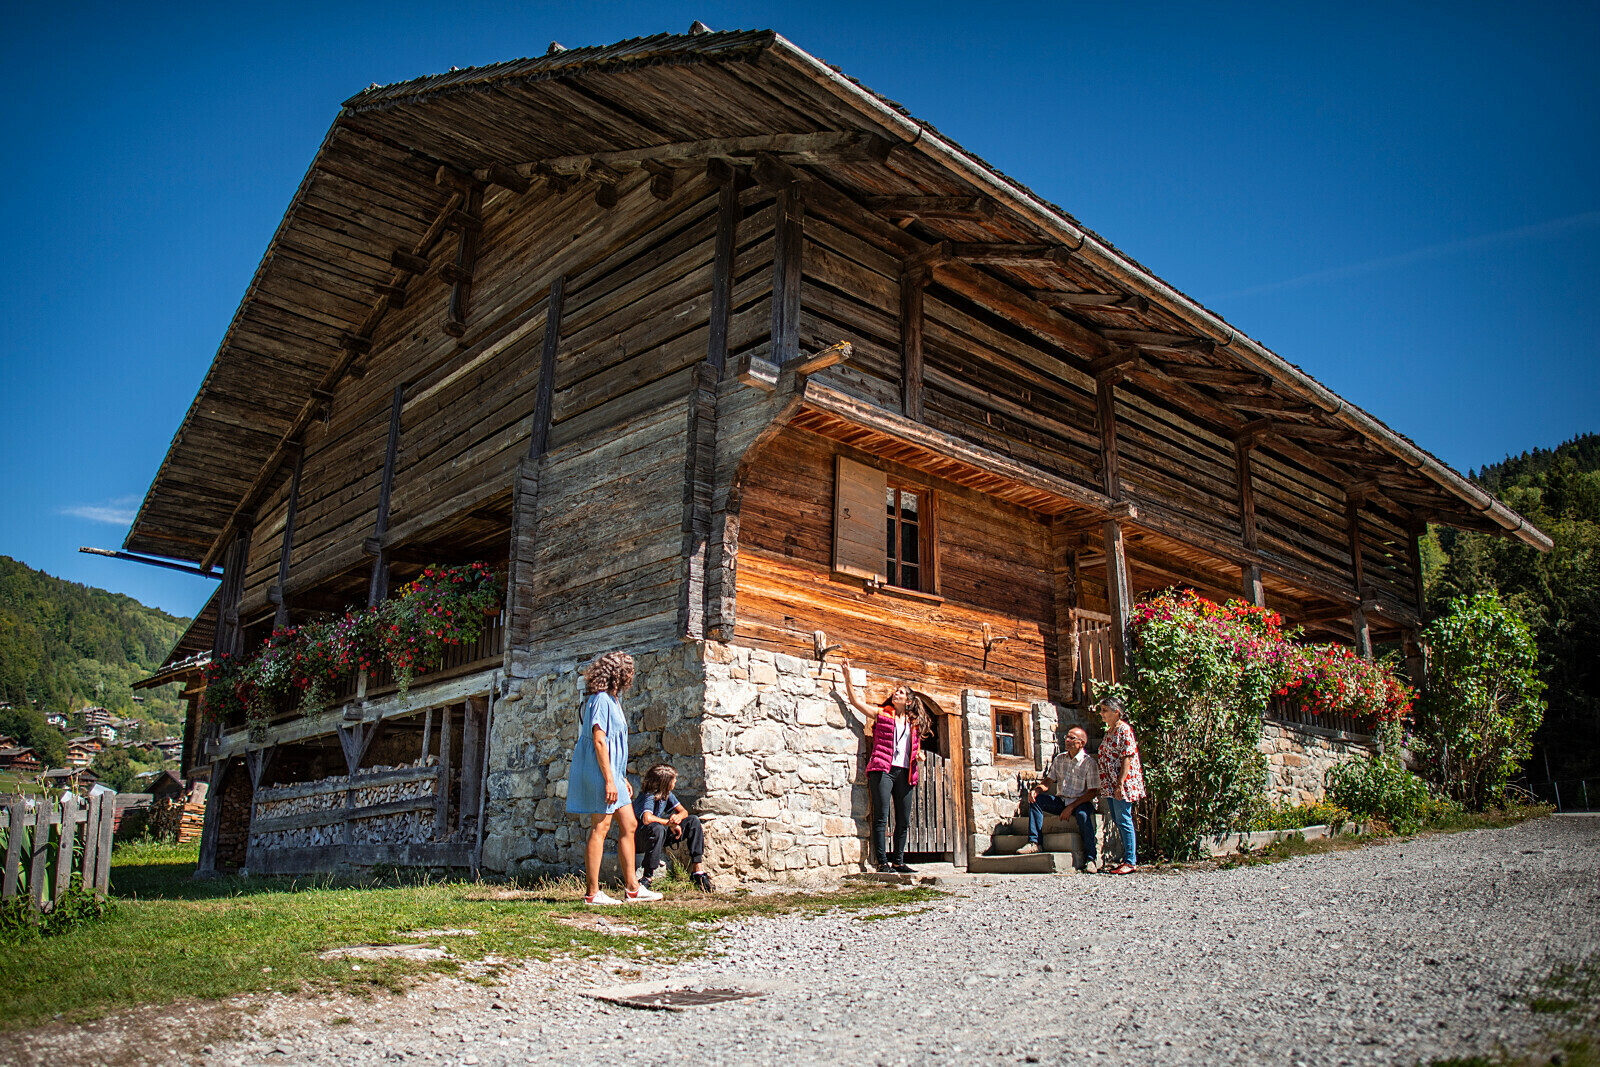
point(919, 137)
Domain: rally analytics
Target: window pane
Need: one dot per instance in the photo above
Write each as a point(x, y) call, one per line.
point(908, 506)
point(1007, 745)
point(909, 578)
point(909, 546)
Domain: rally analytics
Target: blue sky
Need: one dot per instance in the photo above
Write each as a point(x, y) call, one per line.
point(1403, 199)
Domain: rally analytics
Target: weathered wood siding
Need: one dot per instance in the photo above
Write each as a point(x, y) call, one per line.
point(994, 567)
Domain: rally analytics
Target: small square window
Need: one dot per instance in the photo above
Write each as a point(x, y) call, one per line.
point(1010, 733)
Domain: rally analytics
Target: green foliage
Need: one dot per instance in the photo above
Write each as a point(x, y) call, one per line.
point(301, 666)
point(20, 924)
point(115, 769)
point(28, 726)
point(1384, 790)
point(65, 645)
point(1556, 593)
point(1482, 702)
point(1298, 816)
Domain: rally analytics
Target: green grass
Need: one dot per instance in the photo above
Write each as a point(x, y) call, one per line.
point(173, 938)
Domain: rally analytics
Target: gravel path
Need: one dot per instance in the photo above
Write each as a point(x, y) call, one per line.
point(1395, 953)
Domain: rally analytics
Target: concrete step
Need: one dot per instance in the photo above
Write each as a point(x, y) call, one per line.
point(1006, 844)
point(1037, 863)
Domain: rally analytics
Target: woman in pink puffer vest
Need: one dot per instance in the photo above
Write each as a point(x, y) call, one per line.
point(895, 729)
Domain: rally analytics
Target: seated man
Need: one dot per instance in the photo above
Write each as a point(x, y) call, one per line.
point(1072, 784)
point(663, 821)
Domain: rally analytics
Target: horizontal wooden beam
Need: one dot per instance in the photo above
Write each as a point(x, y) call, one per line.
point(932, 207)
point(831, 356)
point(1310, 431)
point(408, 261)
point(1155, 339)
point(1185, 372)
point(503, 176)
point(1010, 255)
point(1130, 302)
point(1267, 403)
point(823, 148)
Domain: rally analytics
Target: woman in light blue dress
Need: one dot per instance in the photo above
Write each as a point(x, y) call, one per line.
point(597, 785)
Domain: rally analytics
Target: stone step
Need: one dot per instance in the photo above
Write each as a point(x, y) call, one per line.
point(1006, 844)
point(1036, 863)
point(1053, 824)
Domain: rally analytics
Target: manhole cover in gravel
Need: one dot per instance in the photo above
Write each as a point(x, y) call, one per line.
point(671, 999)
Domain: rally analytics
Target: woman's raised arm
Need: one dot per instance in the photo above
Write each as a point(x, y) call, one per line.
point(868, 716)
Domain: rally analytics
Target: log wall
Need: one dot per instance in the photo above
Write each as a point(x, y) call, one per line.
point(994, 567)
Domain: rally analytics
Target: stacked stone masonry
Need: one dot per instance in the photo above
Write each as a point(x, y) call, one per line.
point(1300, 757)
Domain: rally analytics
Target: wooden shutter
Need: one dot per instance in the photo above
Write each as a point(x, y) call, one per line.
point(860, 521)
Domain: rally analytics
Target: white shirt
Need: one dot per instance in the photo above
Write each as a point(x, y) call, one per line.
point(1074, 775)
point(902, 742)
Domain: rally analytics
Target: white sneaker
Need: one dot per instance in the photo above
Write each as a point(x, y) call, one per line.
point(600, 898)
point(643, 893)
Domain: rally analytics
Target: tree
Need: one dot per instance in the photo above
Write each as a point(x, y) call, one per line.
point(1482, 703)
point(114, 769)
point(28, 726)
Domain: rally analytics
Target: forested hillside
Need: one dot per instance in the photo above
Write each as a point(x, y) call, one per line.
point(1557, 592)
point(65, 645)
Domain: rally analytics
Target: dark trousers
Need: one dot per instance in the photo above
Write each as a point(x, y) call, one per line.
point(890, 787)
point(652, 841)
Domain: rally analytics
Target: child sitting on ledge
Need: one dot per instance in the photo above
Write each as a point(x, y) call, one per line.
point(664, 821)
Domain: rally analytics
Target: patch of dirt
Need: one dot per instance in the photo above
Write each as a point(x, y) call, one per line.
point(417, 953)
point(599, 924)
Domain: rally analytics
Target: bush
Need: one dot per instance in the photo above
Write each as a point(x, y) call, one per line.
point(1196, 705)
point(1482, 703)
point(1382, 789)
point(1298, 816)
point(78, 906)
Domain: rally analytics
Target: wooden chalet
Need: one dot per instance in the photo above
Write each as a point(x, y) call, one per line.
point(726, 359)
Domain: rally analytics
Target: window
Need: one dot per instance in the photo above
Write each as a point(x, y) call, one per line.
point(1010, 733)
point(883, 531)
point(904, 565)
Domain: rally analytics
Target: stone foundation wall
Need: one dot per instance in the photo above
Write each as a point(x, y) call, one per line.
point(993, 790)
point(535, 727)
point(785, 768)
point(1300, 757)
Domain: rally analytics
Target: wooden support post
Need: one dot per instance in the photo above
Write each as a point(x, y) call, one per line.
point(722, 273)
point(229, 635)
point(1119, 594)
point(1358, 615)
point(912, 284)
point(281, 618)
point(789, 241)
point(468, 226)
point(1418, 583)
point(1254, 591)
point(525, 486)
point(441, 805)
point(378, 588)
point(427, 736)
point(1064, 544)
point(473, 713)
point(207, 866)
point(700, 462)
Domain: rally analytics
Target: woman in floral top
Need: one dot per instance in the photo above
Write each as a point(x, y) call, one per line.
point(1121, 778)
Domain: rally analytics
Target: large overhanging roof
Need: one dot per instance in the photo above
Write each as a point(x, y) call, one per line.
point(661, 101)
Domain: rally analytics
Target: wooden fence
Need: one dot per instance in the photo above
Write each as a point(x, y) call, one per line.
point(932, 826)
point(44, 850)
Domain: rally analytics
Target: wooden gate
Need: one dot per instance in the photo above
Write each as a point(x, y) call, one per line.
point(1096, 662)
point(933, 808)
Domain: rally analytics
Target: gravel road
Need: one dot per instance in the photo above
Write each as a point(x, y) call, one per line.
point(1394, 953)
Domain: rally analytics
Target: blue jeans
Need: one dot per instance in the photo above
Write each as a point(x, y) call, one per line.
point(1122, 818)
point(1047, 803)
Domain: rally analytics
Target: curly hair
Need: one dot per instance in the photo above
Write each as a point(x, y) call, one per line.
point(659, 780)
point(916, 707)
point(609, 673)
